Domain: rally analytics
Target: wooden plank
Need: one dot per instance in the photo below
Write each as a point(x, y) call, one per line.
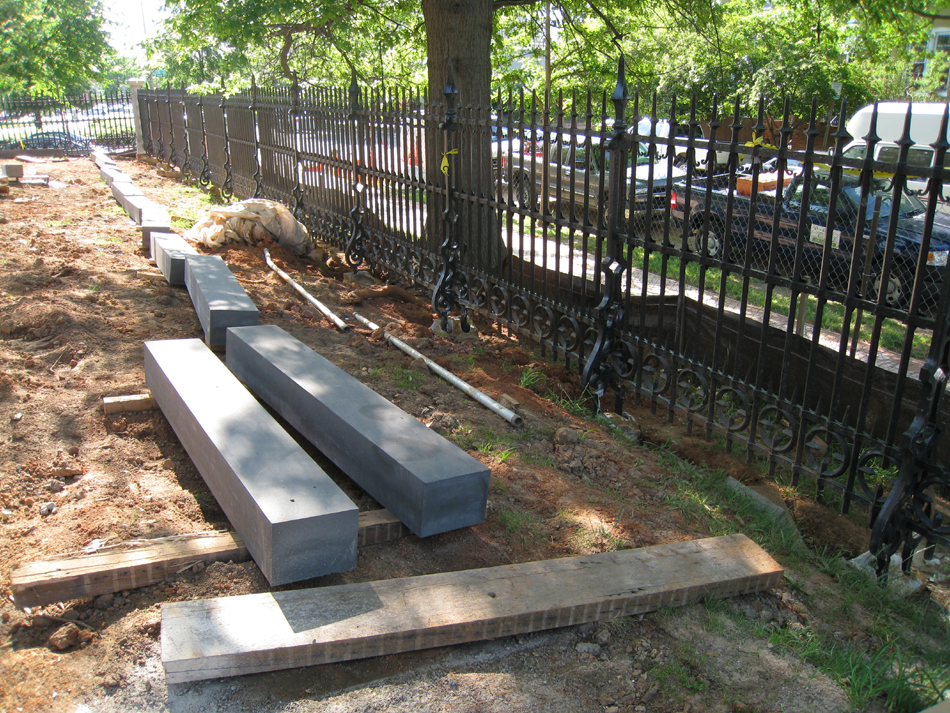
point(121, 404)
point(141, 565)
point(234, 636)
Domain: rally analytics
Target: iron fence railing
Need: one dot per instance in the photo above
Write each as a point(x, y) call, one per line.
point(73, 123)
point(794, 302)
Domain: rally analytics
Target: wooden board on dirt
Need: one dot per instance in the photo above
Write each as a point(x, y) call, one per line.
point(121, 404)
point(234, 636)
point(89, 575)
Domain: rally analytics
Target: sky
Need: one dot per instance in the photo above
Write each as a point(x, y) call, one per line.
point(132, 21)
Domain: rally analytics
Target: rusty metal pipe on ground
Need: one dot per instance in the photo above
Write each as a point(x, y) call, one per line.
point(324, 310)
point(486, 401)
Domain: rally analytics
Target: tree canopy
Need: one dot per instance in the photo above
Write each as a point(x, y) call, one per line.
point(51, 46)
point(747, 48)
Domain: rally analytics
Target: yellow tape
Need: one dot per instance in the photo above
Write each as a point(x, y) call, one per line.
point(759, 142)
point(445, 160)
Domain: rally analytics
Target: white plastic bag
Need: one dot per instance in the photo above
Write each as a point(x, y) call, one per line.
point(252, 221)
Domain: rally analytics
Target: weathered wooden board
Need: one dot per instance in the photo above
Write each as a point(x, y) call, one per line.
point(234, 636)
point(121, 404)
point(81, 576)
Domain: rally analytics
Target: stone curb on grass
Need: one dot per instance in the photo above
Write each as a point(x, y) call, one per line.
point(761, 502)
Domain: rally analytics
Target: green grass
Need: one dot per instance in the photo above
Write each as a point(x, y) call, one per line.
point(531, 378)
point(906, 672)
point(893, 333)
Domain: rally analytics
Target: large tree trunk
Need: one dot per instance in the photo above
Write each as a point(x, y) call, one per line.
point(460, 31)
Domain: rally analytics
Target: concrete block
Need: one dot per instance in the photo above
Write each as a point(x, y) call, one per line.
point(169, 252)
point(11, 170)
point(296, 523)
point(218, 298)
point(155, 219)
point(123, 191)
point(428, 483)
point(101, 158)
point(112, 174)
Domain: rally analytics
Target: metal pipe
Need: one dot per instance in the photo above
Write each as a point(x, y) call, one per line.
point(486, 401)
point(324, 310)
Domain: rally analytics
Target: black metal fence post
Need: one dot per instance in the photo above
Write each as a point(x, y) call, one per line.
point(205, 177)
point(600, 370)
point(160, 153)
point(227, 186)
point(294, 115)
point(258, 174)
point(446, 294)
point(171, 125)
point(908, 514)
point(355, 245)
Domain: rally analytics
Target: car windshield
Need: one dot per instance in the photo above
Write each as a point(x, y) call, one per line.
point(909, 205)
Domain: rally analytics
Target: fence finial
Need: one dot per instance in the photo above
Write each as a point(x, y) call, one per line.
point(620, 96)
point(354, 92)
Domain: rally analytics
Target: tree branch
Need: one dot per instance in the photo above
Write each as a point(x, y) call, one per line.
point(511, 3)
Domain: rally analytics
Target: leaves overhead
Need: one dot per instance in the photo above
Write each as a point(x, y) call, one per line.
point(51, 46)
point(673, 47)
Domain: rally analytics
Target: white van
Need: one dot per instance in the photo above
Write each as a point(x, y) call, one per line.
point(925, 122)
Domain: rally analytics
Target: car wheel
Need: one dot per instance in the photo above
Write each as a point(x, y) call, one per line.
point(521, 186)
point(694, 241)
point(899, 285)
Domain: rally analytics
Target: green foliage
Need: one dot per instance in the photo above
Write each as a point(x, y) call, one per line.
point(48, 47)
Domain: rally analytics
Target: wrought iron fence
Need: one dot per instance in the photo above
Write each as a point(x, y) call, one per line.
point(73, 123)
point(792, 302)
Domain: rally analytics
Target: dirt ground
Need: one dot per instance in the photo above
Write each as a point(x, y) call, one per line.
point(78, 297)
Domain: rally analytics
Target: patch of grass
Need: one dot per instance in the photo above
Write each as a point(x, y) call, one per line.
point(107, 240)
point(463, 363)
point(579, 407)
point(674, 676)
point(531, 457)
point(908, 627)
point(407, 378)
point(93, 287)
point(519, 522)
point(905, 687)
point(531, 378)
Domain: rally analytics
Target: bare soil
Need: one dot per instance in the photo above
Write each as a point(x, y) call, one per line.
point(78, 297)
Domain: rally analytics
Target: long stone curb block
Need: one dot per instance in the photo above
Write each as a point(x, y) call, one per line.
point(112, 174)
point(169, 252)
point(11, 170)
point(154, 221)
point(218, 298)
point(294, 520)
point(430, 484)
point(100, 158)
point(776, 511)
point(124, 193)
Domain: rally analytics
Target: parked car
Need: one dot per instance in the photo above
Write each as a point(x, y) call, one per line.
point(51, 140)
point(575, 179)
point(705, 231)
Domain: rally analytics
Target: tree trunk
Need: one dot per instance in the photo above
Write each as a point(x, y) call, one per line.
point(460, 31)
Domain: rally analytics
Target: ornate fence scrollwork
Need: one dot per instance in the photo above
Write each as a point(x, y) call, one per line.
point(600, 373)
point(355, 250)
point(908, 514)
point(449, 292)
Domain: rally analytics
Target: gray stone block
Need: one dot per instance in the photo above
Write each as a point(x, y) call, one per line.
point(218, 298)
point(421, 478)
point(101, 158)
point(295, 521)
point(169, 252)
point(155, 219)
point(11, 170)
point(123, 191)
point(112, 174)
